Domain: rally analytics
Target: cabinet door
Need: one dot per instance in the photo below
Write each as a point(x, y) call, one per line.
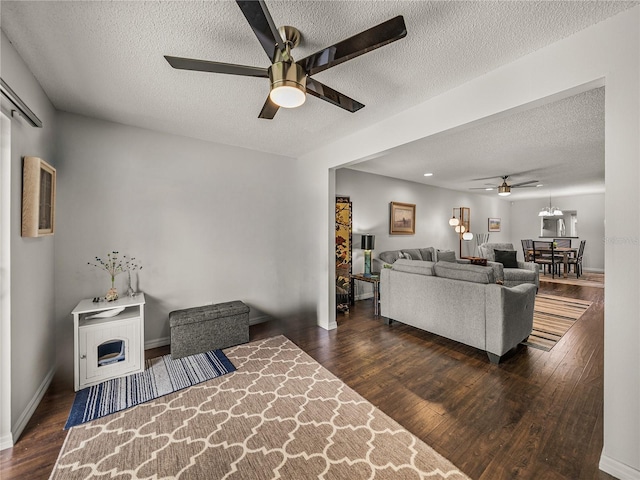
point(109, 350)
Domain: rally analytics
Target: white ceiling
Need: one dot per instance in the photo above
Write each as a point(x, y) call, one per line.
point(104, 59)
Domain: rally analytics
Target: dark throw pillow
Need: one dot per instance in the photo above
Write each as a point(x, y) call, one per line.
point(507, 258)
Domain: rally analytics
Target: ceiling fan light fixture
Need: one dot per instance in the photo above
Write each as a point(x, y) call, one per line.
point(288, 84)
point(504, 190)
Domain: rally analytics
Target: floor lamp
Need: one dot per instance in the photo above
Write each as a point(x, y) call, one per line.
point(460, 222)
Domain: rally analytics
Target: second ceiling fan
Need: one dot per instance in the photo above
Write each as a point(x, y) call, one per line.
point(504, 188)
point(291, 80)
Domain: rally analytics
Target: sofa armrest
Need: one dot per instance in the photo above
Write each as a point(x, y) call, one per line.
point(498, 270)
point(509, 316)
point(529, 266)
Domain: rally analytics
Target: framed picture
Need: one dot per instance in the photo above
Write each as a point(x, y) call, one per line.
point(38, 198)
point(494, 224)
point(403, 219)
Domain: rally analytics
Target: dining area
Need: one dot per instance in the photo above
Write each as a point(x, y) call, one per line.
point(554, 255)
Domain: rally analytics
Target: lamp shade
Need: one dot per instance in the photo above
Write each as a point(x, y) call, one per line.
point(288, 84)
point(367, 242)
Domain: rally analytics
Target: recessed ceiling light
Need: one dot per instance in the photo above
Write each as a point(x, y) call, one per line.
point(488, 189)
point(540, 185)
point(428, 174)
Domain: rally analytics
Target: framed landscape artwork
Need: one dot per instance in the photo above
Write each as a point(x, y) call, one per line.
point(403, 219)
point(494, 224)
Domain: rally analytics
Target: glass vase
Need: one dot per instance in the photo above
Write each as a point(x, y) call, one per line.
point(112, 294)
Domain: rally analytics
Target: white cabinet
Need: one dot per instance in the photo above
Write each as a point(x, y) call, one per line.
point(108, 339)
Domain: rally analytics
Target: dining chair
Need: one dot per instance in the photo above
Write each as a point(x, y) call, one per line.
point(527, 245)
point(577, 260)
point(562, 242)
point(544, 255)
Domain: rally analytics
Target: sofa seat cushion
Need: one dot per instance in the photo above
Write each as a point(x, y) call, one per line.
point(465, 272)
point(414, 266)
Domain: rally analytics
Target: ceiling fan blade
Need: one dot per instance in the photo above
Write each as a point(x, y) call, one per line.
point(261, 23)
point(328, 94)
point(363, 42)
point(523, 184)
point(215, 67)
point(269, 110)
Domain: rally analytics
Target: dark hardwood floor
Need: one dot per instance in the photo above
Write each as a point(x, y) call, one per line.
point(537, 415)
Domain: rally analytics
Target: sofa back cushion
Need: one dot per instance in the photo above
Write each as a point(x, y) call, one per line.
point(446, 256)
point(412, 266)
point(465, 272)
point(428, 254)
point(486, 250)
point(412, 254)
point(390, 256)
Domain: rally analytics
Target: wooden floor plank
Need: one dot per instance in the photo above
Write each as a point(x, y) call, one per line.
point(537, 415)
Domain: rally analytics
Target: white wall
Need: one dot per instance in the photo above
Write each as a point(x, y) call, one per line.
point(32, 264)
point(210, 223)
point(606, 53)
point(590, 208)
point(371, 195)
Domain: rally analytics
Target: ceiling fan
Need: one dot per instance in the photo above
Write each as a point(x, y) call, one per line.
point(504, 188)
point(291, 80)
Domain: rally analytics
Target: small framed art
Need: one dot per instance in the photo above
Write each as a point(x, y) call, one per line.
point(38, 198)
point(494, 224)
point(403, 219)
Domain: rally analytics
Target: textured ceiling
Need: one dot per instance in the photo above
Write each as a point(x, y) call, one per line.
point(561, 145)
point(104, 59)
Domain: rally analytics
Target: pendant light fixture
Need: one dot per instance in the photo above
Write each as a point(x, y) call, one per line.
point(550, 211)
point(460, 224)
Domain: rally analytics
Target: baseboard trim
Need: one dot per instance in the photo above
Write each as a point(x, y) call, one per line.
point(6, 441)
point(28, 412)
point(594, 270)
point(157, 342)
point(618, 469)
point(259, 319)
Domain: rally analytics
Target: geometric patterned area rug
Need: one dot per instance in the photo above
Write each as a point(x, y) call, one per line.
point(552, 317)
point(161, 376)
point(279, 415)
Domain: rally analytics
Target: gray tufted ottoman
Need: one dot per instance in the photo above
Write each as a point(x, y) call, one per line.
point(211, 327)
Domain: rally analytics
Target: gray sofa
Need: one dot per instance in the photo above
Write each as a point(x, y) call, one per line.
point(429, 254)
point(527, 272)
point(461, 302)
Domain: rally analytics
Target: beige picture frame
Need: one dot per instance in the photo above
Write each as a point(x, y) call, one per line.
point(38, 198)
point(403, 219)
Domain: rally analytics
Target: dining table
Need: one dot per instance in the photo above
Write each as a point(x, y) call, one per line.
point(566, 252)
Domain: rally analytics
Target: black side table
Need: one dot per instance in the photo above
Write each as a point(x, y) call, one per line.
point(374, 279)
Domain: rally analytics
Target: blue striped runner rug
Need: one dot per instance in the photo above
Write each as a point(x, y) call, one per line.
point(162, 376)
